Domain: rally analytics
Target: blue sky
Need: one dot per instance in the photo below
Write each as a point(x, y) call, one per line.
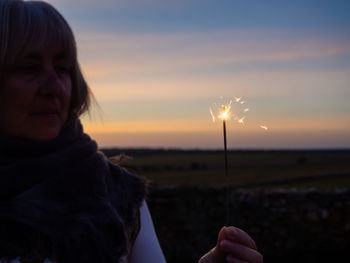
point(155, 68)
point(194, 15)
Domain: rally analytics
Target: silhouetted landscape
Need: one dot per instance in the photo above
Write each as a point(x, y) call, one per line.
point(324, 169)
point(294, 204)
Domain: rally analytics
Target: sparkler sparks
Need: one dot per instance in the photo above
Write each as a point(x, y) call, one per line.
point(241, 120)
point(237, 99)
point(212, 115)
point(232, 111)
point(225, 113)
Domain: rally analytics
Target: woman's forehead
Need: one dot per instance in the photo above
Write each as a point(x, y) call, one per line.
point(54, 50)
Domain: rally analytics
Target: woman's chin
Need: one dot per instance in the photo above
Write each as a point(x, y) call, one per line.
point(46, 137)
point(43, 133)
point(43, 129)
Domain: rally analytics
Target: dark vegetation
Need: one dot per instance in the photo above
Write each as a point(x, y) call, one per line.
point(326, 169)
point(295, 204)
point(304, 226)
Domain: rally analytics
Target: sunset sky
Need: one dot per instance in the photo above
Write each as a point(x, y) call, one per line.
point(157, 66)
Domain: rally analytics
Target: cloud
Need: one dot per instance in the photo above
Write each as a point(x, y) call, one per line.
point(171, 53)
point(159, 66)
point(286, 83)
point(77, 6)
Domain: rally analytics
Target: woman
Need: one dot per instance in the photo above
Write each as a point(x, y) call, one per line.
point(60, 199)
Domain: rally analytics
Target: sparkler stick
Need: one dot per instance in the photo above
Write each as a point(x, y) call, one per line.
point(226, 171)
point(224, 115)
point(225, 145)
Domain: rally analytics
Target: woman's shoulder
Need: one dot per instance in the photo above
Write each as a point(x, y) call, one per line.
point(128, 191)
point(126, 188)
point(123, 179)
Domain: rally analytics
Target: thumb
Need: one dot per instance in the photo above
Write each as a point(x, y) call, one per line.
point(219, 254)
point(221, 236)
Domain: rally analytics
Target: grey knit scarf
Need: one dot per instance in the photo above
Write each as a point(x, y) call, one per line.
point(62, 199)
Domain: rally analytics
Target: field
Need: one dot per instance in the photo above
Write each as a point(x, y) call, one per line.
point(326, 169)
point(288, 226)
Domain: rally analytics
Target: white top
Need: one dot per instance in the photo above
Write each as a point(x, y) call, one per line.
point(146, 247)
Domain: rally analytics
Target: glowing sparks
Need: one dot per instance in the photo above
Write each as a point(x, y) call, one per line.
point(241, 120)
point(212, 115)
point(224, 112)
point(237, 99)
point(234, 110)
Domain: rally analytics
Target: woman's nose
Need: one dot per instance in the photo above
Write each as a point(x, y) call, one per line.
point(52, 85)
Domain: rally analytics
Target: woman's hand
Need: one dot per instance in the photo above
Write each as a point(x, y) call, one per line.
point(233, 246)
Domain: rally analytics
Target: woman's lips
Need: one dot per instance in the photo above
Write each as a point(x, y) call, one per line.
point(46, 113)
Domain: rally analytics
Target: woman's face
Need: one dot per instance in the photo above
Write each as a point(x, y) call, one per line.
point(35, 96)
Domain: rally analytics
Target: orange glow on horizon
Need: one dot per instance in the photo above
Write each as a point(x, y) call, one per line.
point(153, 126)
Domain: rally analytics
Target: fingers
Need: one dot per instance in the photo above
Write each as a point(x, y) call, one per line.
point(240, 252)
point(239, 236)
point(222, 234)
point(236, 246)
point(230, 259)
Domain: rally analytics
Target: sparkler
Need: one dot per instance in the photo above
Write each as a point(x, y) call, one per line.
point(224, 113)
point(224, 116)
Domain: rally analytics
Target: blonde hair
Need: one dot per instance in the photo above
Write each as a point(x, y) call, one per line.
point(28, 25)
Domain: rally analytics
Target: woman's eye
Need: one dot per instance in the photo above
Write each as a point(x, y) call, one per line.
point(30, 68)
point(62, 69)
